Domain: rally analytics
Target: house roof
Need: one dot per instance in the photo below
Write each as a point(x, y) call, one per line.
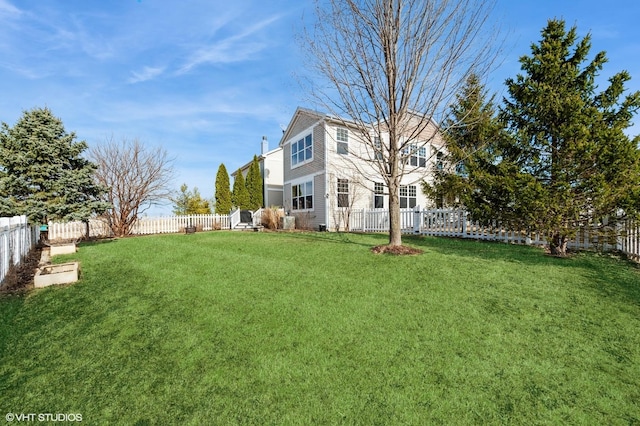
point(261, 157)
point(300, 111)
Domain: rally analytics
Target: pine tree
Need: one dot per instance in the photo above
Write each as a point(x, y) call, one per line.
point(254, 184)
point(240, 195)
point(189, 202)
point(569, 161)
point(472, 137)
point(223, 191)
point(196, 204)
point(181, 201)
point(42, 172)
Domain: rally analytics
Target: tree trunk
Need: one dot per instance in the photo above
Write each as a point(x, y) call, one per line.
point(395, 230)
point(558, 245)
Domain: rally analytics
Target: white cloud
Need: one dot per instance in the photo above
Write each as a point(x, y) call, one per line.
point(147, 73)
point(7, 9)
point(231, 49)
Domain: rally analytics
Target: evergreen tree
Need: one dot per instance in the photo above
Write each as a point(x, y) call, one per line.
point(223, 191)
point(42, 172)
point(568, 161)
point(181, 201)
point(254, 184)
point(198, 205)
point(473, 134)
point(240, 195)
point(190, 202)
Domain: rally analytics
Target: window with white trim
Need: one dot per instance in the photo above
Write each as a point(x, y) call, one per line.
point(302, 196)
point(342, 136)
point(343, 192)
point(418, 157)
point(378, 195)
point(439, 161)
point(302, 151)
point(408, 196)
point(377, 145)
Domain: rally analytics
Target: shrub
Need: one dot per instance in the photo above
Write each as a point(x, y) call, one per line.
point(271, 217)
point(304, 221)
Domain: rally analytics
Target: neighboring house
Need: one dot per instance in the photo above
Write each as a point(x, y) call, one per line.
point(329, 171)
point(271, 169)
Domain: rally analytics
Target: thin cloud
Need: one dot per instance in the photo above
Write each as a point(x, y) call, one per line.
point(7, 9)
point(146, 74)
point(232, 49)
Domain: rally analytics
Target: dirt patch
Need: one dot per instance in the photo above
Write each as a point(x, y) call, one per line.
point(21, 278)
point(396, 250)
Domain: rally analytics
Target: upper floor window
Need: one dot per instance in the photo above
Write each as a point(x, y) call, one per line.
point(342, 136)
point(343, 193)
point(417, 156)
point(439, 161)
point(301, 151)
point(302, 196)
point(408, 196)
point(377, 146)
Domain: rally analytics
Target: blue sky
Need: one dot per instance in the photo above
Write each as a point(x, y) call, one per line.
point(207, 79)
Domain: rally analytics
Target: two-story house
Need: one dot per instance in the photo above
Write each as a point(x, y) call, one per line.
point(271, 170)
point(329, 170)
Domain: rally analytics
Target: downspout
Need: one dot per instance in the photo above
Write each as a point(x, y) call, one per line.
point(264, 149)
point(327, 218)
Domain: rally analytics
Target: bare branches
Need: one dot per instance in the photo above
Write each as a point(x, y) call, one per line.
point(394, 67)
point(136, 176)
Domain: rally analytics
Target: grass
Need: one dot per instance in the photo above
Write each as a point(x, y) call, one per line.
point(257, 328)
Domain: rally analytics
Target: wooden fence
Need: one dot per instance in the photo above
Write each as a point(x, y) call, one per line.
point(17, 238)
point(456, 223)
point(98, 228)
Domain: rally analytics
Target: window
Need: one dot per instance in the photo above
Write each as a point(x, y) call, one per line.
point(301, 151)
point(378, 195)
point(439, 161)
point(418, 156)
point(342, 136)
point(377, 145)
point(302, 196)
point(408, 196)
point(343, 193)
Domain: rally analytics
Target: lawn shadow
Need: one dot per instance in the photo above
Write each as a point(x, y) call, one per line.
point(11, 305)
point(610, 274)
point(341, 237)
point(97, 242)
point(486, 250)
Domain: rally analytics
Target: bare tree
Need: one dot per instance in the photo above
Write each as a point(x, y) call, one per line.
point(393, 67)
point(136, 176)
point(344, 193)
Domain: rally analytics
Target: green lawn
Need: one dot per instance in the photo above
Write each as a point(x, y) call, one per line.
point(263, 328)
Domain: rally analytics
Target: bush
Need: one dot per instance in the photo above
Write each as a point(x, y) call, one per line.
point(304, 221)
point(271, 217)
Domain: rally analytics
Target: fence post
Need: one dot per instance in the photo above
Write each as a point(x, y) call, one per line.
point(464, 224)
point(416, 219)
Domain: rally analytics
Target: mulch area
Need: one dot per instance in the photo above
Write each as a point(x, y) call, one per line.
point(396, 250)
point(21, 278)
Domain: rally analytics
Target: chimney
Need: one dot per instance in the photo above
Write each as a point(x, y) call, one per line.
point(265, 145)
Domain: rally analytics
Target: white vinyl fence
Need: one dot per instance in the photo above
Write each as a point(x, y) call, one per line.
point(17, 238)
point(98, 228)
point(435, 222)
point(455, 223)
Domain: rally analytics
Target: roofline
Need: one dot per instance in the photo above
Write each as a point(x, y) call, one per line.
point(260, 157)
